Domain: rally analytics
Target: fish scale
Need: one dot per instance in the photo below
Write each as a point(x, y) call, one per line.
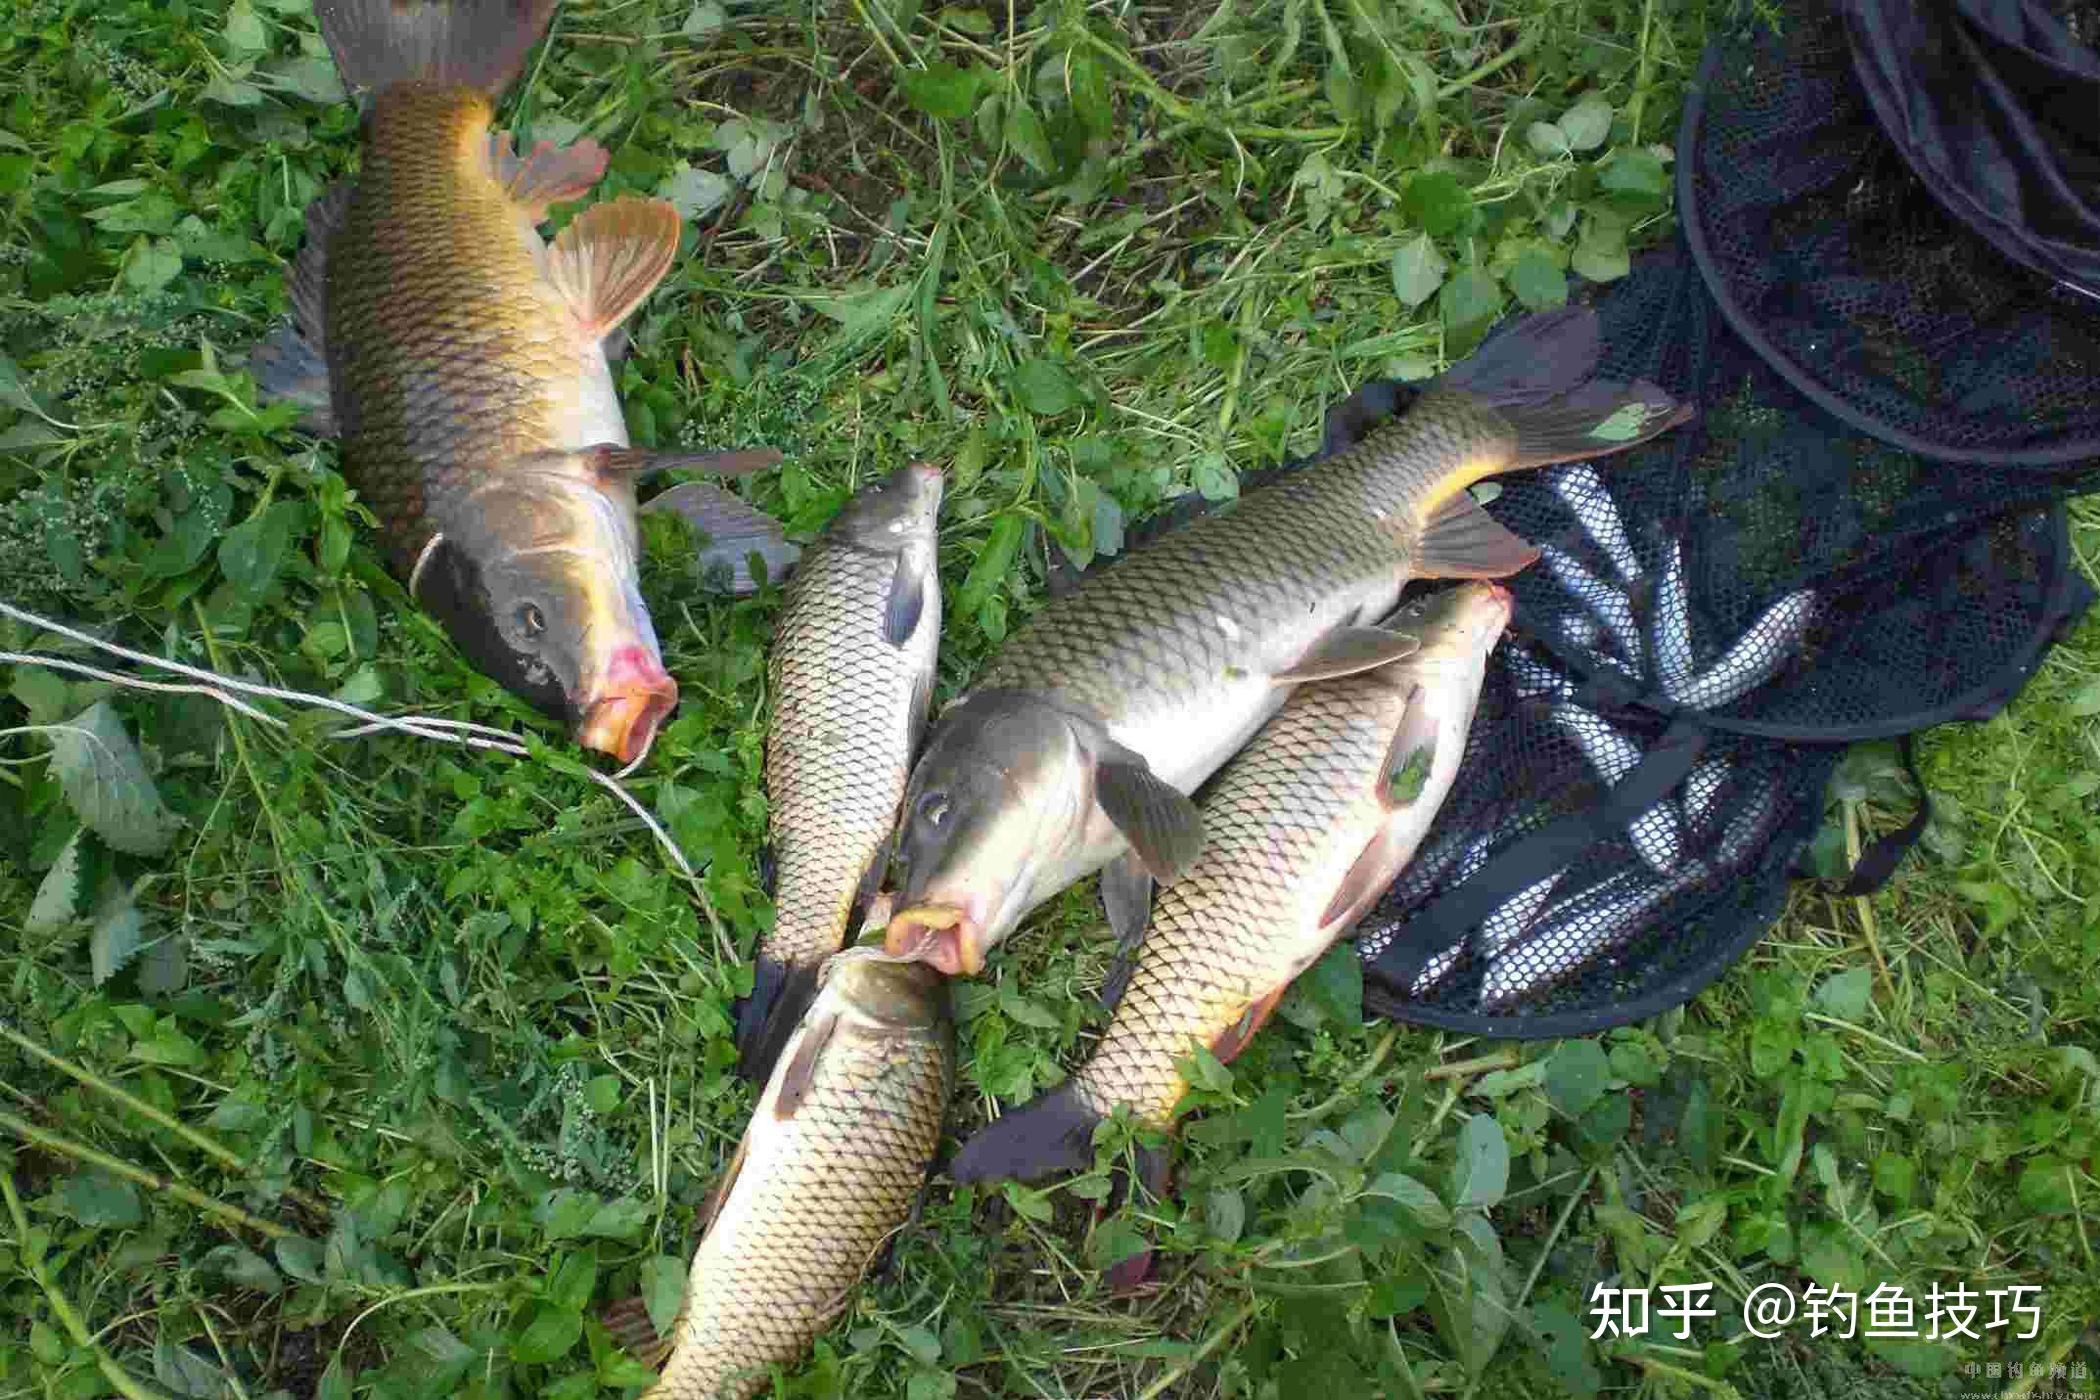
point(450, 354)
point(1305, 829)
point(1299, 800)
point(1146, 633)
point(1081, 741)
point(815, 1193)
point(838, 752)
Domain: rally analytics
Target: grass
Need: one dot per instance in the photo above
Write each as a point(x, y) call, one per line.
point(391, 1064)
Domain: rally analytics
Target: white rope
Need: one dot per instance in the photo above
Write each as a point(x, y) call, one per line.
point(221, 688)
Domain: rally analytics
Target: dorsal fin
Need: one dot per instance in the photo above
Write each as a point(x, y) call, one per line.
point(546, 175)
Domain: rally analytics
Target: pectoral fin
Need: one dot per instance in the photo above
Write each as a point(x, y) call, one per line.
point(1463, 541)
point(288, 368)
point(308, 285)
point(1160, 823)
point(548, 174)
point(646, 461)
point(610, 257)
point(1236, 1037)
point(1346, 651)
point(1126, 897)
point(733, 531)
point(907, 604)
point(801, 1069)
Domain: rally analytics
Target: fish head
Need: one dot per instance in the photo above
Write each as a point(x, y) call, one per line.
point(1442, 679)
point(893, 514)
point(886, 994)
point(534, 574)
point(1457, 628)
point(1003, 792)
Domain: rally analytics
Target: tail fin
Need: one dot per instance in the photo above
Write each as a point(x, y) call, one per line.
point(781, 993)
point(475, 43)
point(1053, 1133)
point(1530, 360)
point(1537, 372)
point(629, 1323)
point(1600, 417)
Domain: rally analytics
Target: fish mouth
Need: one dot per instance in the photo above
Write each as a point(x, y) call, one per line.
point(632, 702)
point(944, 936)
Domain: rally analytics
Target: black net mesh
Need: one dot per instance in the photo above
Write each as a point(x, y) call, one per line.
point(1715, 614)
point(1828, 252)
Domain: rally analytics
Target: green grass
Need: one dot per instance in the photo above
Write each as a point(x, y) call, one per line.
point(453, 1031)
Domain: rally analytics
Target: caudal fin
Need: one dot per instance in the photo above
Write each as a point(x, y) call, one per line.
point(1539, 373)
point(1053, 1133)
point(474, 43)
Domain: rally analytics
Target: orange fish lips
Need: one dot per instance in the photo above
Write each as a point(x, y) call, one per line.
point(943, 936)
point(630, 704)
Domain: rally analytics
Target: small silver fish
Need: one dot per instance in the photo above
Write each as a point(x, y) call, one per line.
point(1750, 828)
point(1607, 603)
point(1579, 485)
point(1532, 677)
point(1655, 832)
point(1671, 623)
point(1757, 656)
point(1701, 787)
point(1571, 936)
point(1509, 921)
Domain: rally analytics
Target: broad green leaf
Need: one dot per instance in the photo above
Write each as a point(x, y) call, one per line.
point(244, 29)
point(572, 1280)
point(703, 19)
point(311, 76)
point(118, 931)
point(1547, 139)
point(152, 263)
point(549, 1335)
point(694, 192)
point(618, 1219)
point(253, 551)
point(244, 1268)
point(1411, 1196)
point(1468, 304)
point(1481, 1173)
point(1045, 388)
point(1436, 202)
point(1845, 994)
point(43, 692)
point(941, 89)
point(94, 1197)
point(60, 895)
point(1330, 992)
point(1635, 172)
point(1600, 255)
point(602, 1094)
point(993, 560)
point(1624, 423)
point(663, 1291)
point(335, 1381)
point(1577, 1073)
point(106, 783)
point(184, 1372)
point(1586, 124)
point(1538, 281)
point(1214, 478)
point(1418, 270)
point(1025, 134)
point(300, 1257)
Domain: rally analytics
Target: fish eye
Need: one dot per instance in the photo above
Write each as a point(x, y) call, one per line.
point(933, 808)
point(531, 621)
